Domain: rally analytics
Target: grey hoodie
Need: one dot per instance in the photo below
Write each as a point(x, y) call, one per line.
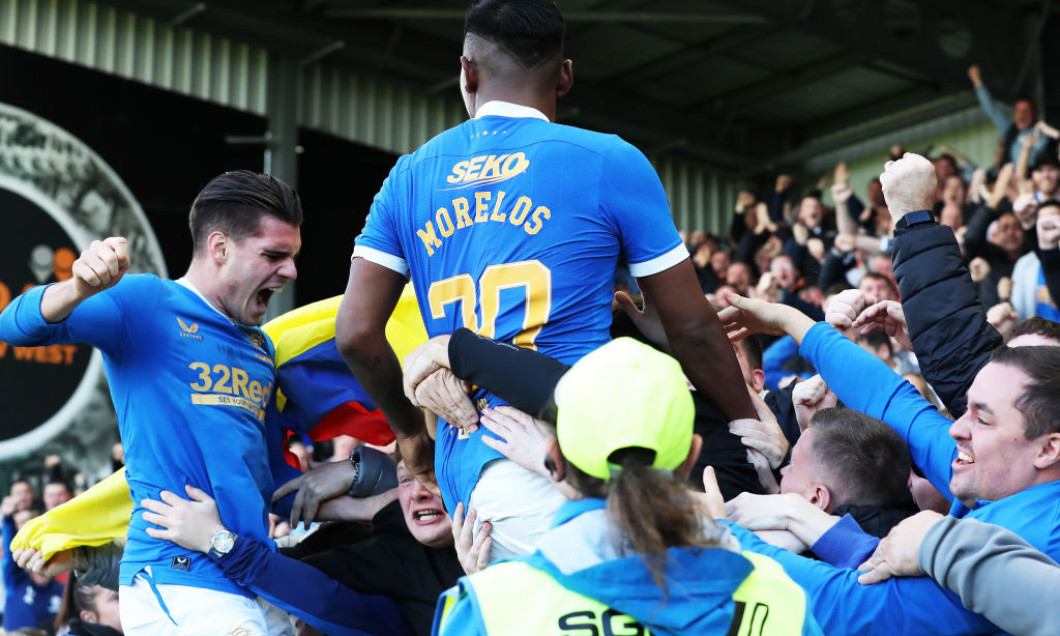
point(996, 573)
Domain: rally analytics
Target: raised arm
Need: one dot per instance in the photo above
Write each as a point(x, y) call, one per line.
point(990, 107)
point(33, 318)
point(99, 268)
point(11, 572)
point(947, 325)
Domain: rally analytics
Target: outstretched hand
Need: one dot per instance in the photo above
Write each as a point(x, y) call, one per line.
point(324, 482)
point(886, 316)
point(845, 307)
point(447, 395)
point(762, 435)
point(749, 316)
point(646, 319)
point(423, 361)
point(33, 561)
point(710, 501)
point(520, 438)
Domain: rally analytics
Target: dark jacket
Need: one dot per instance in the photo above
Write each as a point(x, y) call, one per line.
point(878, 520)
point(947, 324)
point(393, 564)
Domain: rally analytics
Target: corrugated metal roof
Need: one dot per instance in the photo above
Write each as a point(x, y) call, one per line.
point(703, 87)
point(139, 48)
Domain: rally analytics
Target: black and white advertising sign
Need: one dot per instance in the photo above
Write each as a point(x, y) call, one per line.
point(56, 196)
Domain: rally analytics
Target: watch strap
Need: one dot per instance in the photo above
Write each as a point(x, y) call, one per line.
point(914, 218)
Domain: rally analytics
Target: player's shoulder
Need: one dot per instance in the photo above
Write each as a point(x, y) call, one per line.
point(598, 142)
point(448, 142)
point(139, 284)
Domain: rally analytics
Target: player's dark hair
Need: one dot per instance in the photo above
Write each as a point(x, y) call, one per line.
point(530, 31)
point(235, 202)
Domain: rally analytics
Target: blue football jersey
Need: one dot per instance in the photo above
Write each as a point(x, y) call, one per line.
point(190, 389)
point(513, 226)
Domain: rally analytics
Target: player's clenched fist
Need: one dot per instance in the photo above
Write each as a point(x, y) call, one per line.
point(101, 266)
point(908, 185)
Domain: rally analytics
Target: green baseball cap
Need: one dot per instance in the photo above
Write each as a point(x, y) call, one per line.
point(625, 394)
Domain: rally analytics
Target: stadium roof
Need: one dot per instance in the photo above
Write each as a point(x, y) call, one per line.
point(736, 84)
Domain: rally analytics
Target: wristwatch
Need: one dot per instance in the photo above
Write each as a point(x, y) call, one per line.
point(221, 543)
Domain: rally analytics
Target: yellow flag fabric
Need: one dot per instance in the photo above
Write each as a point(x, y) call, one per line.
point(95, 517)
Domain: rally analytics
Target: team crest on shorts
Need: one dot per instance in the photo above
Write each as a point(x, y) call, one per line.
point(181, 563)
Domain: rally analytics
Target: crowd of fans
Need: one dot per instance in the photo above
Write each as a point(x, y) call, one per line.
point(898, 355)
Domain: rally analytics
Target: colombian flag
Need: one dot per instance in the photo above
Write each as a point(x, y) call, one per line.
point(316, 393)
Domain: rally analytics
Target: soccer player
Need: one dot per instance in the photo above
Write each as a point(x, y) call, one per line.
point(512, 225)
point(190, 375)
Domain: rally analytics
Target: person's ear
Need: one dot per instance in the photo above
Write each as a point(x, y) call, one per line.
point(820, 496)
point(88, 616)
point(758, 380)
point(1049, 451)
point(694, 449)
point(566, 78)
point(554, 460)
point(469, 74)
point(217, 247)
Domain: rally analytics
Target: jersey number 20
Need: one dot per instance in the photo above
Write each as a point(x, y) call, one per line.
point(533, 276)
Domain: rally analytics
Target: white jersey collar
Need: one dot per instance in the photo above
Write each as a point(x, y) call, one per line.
point(497, 108)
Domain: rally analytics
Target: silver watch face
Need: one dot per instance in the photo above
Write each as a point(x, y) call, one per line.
point(222, 542)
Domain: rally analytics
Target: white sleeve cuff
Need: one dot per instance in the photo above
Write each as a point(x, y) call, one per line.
point(388, 261)
point(657, 264)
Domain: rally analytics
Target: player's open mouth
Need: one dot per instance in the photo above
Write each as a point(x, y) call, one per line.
point(428, 516)
point(265, 295)
point(964, 459)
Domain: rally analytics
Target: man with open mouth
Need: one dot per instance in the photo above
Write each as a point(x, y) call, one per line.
point(191, 374)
